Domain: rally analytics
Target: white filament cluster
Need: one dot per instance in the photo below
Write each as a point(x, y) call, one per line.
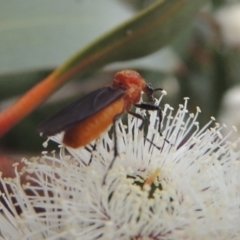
point(196, 195)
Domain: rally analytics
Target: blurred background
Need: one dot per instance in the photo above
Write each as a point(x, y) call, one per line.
point(203, 62)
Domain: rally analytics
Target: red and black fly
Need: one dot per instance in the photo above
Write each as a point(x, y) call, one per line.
point(85, 120)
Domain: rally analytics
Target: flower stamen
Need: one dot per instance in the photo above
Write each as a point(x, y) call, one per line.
point(152, 178)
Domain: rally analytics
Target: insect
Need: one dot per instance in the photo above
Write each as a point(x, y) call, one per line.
point(85, 120)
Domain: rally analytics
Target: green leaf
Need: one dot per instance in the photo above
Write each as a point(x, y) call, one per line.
point(43, 34)
point(148, 31)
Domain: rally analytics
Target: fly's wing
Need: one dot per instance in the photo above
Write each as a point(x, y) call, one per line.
point(80, 110)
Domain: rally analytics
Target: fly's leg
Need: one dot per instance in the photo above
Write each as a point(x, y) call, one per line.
point(145, 119)
point(152, 107)
point(141, 117)
point(115, 149)
point(92, 150)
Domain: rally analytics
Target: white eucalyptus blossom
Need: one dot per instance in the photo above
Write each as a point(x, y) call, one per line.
point(183, 185)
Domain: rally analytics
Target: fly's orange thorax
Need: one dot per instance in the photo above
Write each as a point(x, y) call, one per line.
point(133, 85)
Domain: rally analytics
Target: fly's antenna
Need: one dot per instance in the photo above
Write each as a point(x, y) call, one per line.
point(158, 89)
